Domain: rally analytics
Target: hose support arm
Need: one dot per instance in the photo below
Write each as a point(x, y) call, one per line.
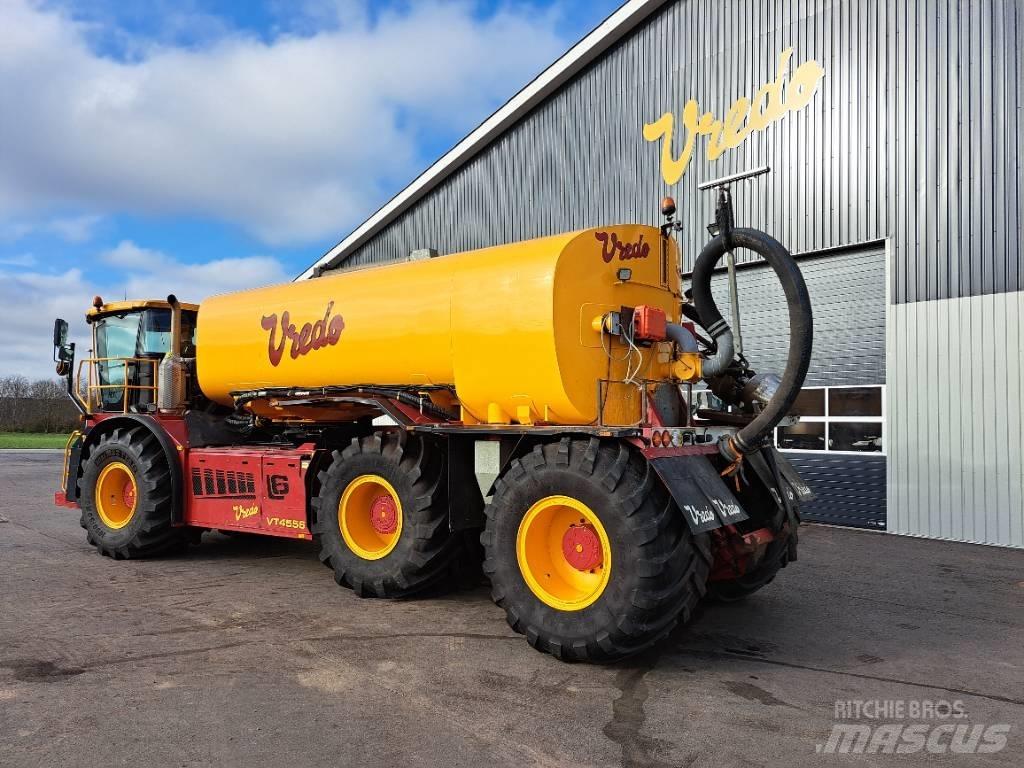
point(800, 329)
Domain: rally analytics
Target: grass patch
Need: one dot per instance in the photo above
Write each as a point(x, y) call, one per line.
point(31, 440)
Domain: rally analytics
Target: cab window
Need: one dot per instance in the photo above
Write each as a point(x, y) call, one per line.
point(117, 336)
point(142, 334)
point(155, 332)
point(136, 337)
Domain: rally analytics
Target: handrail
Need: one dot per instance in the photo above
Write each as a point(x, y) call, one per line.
point(93, 389)
point(67, 459)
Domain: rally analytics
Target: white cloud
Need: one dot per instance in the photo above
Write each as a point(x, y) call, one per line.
point(18, 260)
point(26, 334)
point(12, 230)
point(128, 254)
point(149, 273)
point(39, 297)
point(293, 139)
point(75, 229)
point(70, 229)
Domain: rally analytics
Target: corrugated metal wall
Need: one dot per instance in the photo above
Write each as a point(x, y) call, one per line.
point(956, 419)
point(916, 133)
point(847, 293)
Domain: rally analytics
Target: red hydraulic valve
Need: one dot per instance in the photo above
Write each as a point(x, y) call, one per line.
point(649, 323)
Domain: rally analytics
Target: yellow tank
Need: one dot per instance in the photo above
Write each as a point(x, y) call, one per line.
point(514, 329)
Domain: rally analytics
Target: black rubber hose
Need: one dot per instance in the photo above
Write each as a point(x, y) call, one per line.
point(801, 326)
point(426, 404)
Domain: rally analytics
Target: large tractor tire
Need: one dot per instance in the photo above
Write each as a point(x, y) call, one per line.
point(587, 552)
point(382, 515)
point(126, 496)
point(761, 575)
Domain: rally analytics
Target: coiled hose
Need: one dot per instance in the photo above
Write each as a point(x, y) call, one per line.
point(801, 328)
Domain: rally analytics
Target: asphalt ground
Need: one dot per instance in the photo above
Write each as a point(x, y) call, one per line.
point(245, 653)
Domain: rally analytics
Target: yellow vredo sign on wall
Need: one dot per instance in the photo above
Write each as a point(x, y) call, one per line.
point(772, 101)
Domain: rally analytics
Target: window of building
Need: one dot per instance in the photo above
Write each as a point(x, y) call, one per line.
point(836, 420)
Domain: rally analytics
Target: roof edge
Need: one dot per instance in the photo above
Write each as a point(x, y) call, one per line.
point(600, 39)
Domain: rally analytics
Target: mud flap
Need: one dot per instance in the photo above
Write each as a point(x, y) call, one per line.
point(465, 502)
point(706, 501)
point(786, 486)
point(796, 490)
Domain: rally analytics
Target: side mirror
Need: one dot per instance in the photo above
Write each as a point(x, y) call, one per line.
point(60, 333)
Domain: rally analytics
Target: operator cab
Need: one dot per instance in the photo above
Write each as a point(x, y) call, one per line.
point(130, 339)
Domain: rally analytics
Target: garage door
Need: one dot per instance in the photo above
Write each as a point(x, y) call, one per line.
point(839, 445)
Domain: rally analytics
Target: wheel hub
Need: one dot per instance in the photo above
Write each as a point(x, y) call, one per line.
point(384, 514)
point(115, 495)
point(582, 547)
point(563, 553)
point(128, 495)
point(370, 517)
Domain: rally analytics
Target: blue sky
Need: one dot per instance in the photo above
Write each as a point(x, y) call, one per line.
point(194, 146)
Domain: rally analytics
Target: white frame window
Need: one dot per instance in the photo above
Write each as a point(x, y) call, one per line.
point(828, 420)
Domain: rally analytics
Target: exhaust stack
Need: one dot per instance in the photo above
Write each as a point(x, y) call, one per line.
point(173, 372)
point(175, 350)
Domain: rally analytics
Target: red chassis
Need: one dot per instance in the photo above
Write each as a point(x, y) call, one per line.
point(253, 488)
point(263, 489)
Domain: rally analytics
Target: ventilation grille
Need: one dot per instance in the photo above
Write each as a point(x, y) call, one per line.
point(225, 484)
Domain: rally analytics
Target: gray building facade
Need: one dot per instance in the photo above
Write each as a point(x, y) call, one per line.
point(895, 134)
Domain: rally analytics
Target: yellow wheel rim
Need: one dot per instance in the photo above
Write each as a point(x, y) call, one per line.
point(563, 553)
point(116, 495)
point(370, 517)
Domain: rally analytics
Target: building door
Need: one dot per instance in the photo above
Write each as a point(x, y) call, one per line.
point(839, 445)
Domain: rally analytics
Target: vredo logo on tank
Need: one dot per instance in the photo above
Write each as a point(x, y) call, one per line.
point(311, 336)
point(612, 247)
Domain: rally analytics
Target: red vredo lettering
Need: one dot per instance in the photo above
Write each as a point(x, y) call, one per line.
point(311, 336)
point(611, 247)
